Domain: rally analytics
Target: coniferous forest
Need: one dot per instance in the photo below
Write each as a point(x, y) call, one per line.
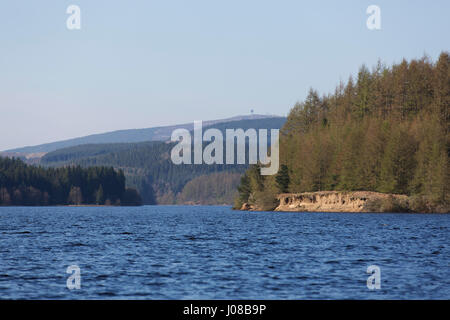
point(22, 184)
point(148, 167)
point(385, 131)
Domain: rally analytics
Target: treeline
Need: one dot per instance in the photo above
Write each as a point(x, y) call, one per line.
point(385, 131)
point(22, 184)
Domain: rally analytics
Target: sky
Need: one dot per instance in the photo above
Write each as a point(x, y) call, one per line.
point(139, 64)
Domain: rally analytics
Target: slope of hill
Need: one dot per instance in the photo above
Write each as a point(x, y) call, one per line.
point(205, 189)
point(124, 136)
point(148, 167)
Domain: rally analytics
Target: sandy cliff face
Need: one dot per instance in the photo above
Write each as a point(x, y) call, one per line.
point(333, 201)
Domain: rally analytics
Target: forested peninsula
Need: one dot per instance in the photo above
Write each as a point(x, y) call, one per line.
point(25, 185)
point(386, 131)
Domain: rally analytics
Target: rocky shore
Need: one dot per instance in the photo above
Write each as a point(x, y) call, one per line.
point(338, 201)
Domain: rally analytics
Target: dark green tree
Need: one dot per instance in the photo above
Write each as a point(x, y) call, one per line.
point(100, 196)
point(282, 179)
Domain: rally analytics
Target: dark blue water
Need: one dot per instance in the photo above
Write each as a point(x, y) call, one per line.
point(170, 252)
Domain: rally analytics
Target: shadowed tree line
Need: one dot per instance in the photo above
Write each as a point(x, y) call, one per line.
point(385, 131)
point(21, 184)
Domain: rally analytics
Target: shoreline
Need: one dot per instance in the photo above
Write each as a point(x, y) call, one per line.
point(348, 202)
point(250, 207)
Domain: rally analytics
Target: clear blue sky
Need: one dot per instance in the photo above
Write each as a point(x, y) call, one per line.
point(138, 64)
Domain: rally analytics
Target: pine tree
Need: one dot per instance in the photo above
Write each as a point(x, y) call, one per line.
point(100, 198)
point(5, 198)
point(75, 196)
point(282, 179)
point(398, 164)
point(442, 88)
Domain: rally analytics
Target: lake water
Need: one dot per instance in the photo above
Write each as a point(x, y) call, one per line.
point(202, 252)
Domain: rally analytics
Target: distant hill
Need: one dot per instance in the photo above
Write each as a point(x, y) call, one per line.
point(148, 168)
point(125, 136)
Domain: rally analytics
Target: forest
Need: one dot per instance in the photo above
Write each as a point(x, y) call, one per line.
point(206, 190)
point(25, 185)
point(386, 130)
point(148, 168)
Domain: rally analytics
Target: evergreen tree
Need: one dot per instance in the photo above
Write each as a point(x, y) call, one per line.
point(244, 190)
point(75, 196)
point(282, 179)
point(100, 197)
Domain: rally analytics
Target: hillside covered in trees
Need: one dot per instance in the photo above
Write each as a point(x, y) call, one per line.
point(216, 188)
point(22, 184)
point(385, 131)
point(148, 168)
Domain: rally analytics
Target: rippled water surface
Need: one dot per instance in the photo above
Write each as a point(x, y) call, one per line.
point(195, 252)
